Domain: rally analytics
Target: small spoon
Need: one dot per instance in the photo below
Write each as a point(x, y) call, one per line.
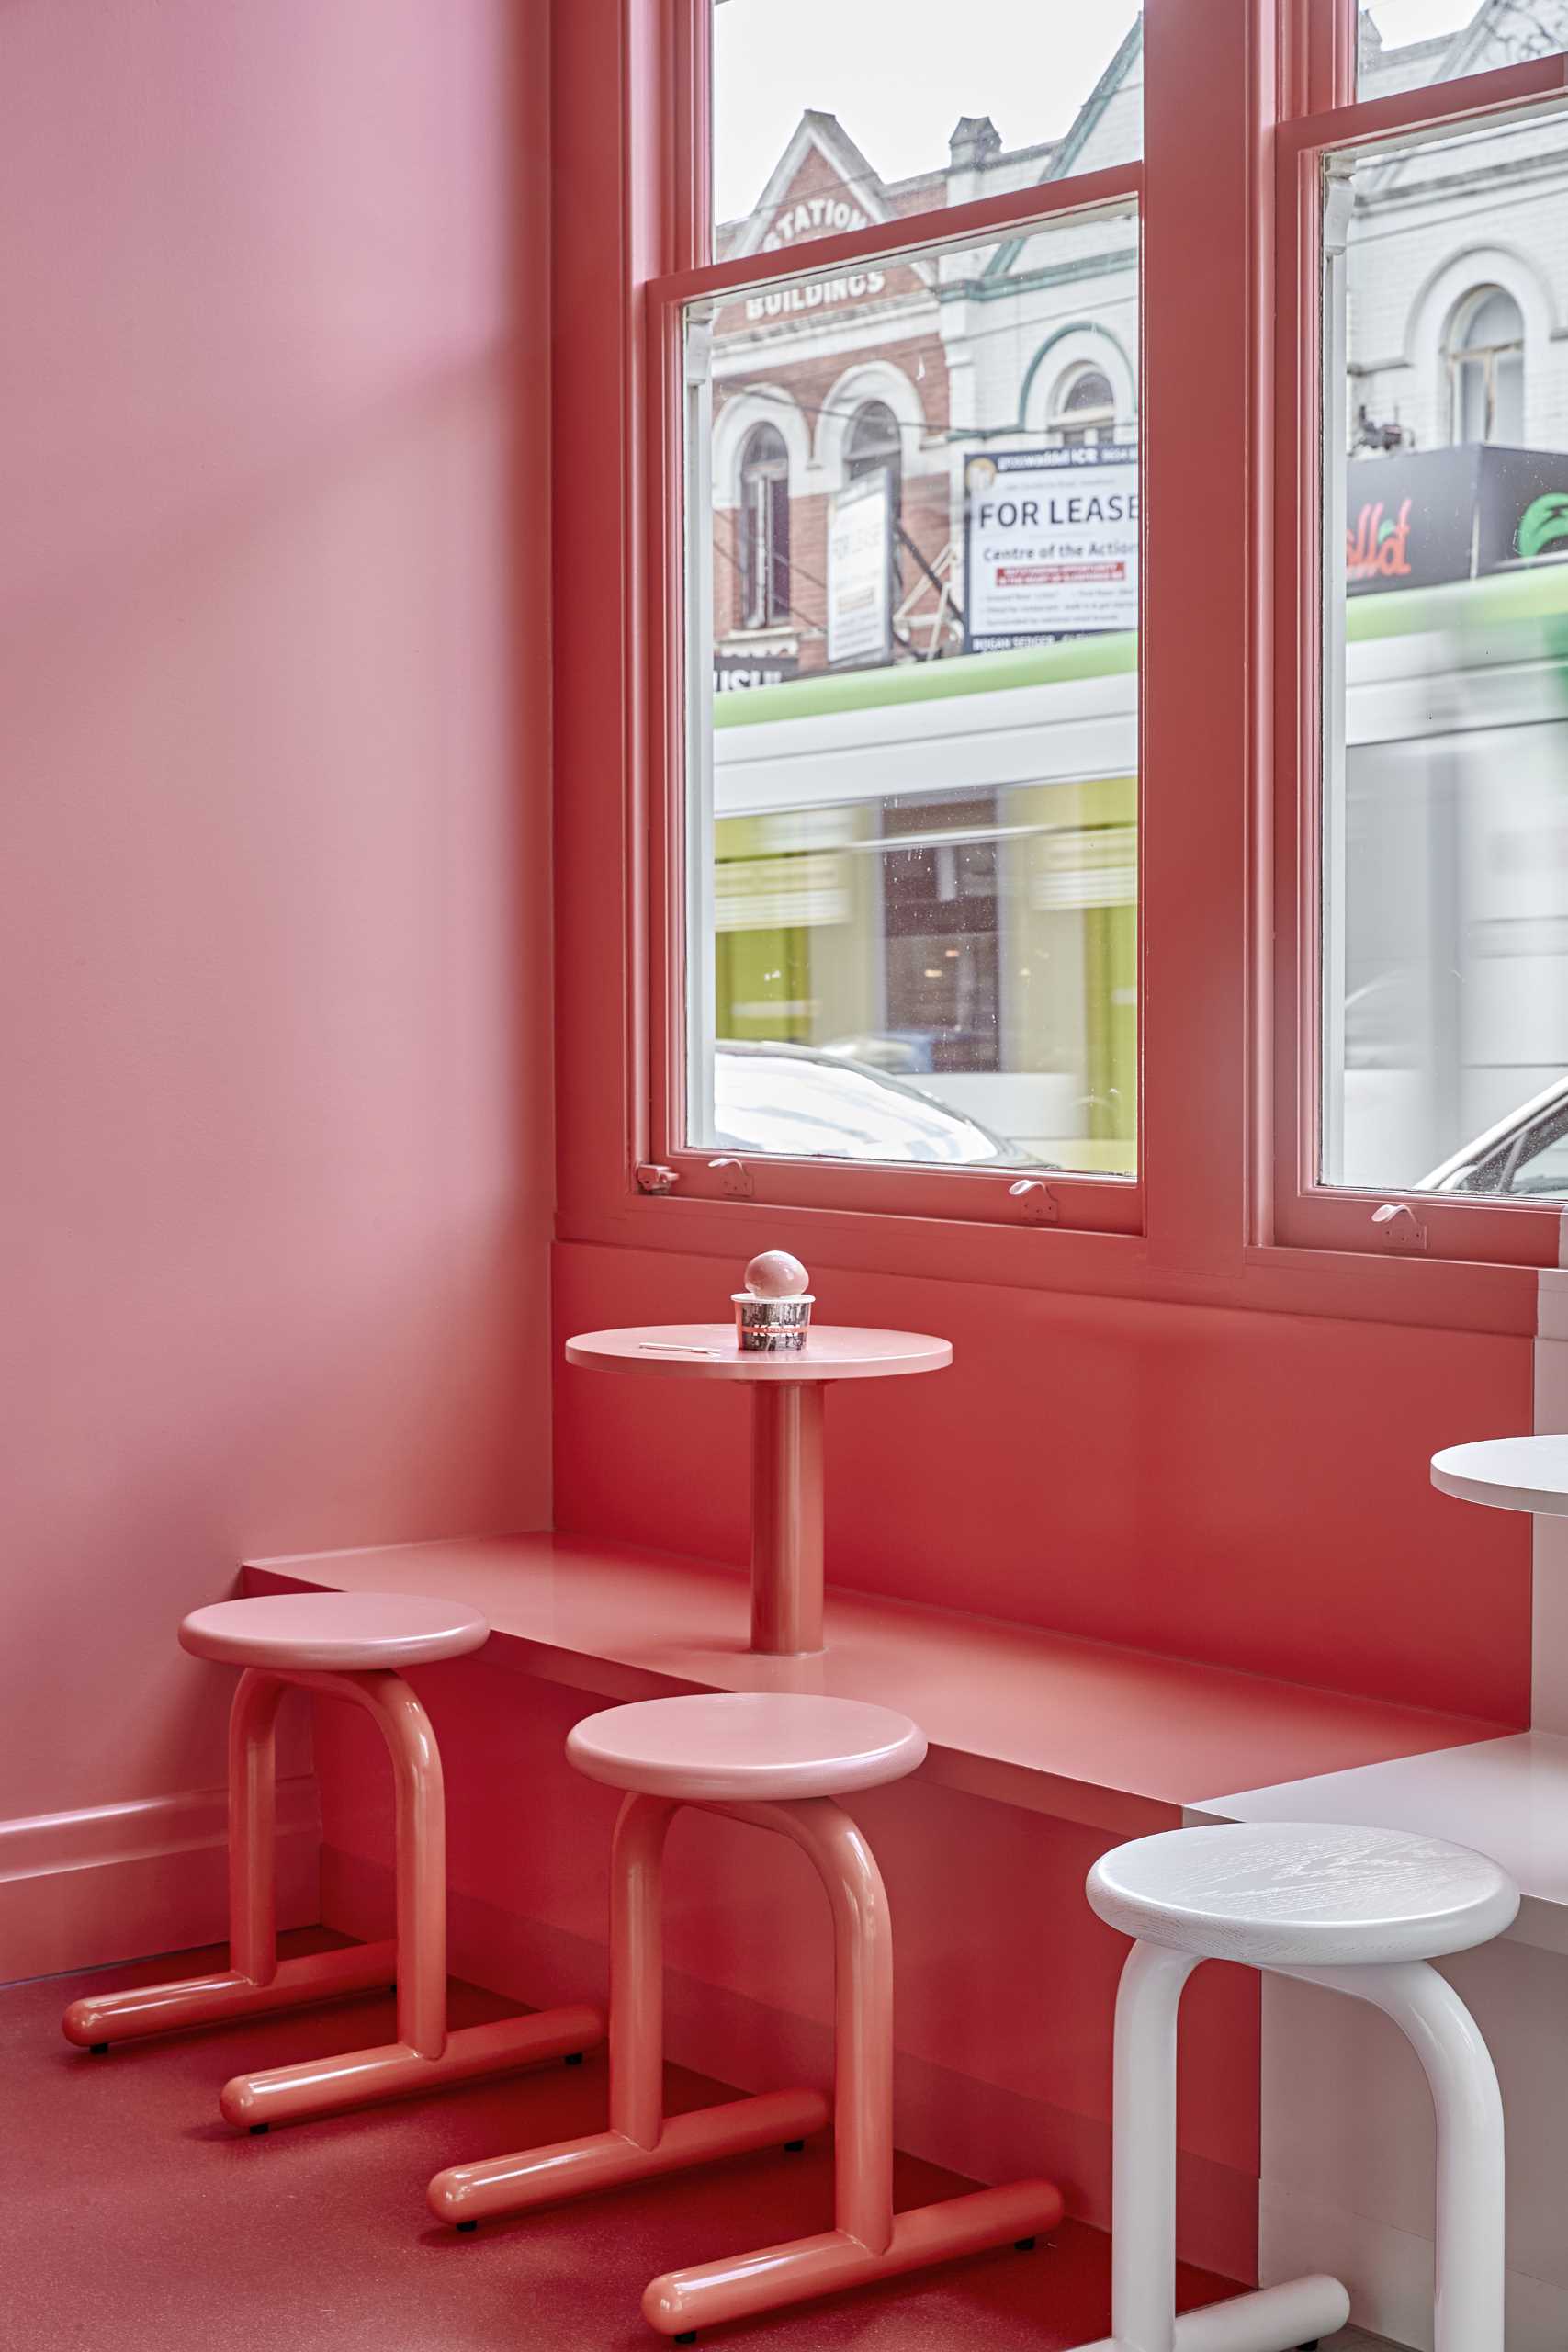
point(680, 1347)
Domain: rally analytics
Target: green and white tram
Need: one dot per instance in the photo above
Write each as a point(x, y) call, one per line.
point(933, 868)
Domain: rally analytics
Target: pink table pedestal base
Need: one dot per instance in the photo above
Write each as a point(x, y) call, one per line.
point(786, 1519)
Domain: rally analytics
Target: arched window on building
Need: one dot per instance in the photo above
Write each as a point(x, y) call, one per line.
point(1485, 355)
point(765, 529)
point(1086, 410)
point(875, 443)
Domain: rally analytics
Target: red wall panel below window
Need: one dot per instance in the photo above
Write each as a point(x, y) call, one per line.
point(1244, 1489)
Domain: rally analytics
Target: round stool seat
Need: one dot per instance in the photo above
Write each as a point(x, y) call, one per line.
point(343, 1632)
point(1303, 1893)
point(745, 1746)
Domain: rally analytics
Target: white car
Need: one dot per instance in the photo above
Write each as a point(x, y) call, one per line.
point(1524, 1157)
point(809, 1104)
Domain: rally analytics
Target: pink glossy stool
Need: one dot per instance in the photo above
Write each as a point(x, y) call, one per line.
point(342, 1646)
point(776, 1762)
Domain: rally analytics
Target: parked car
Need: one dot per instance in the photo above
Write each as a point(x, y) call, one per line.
point(811, 1104)
point(1525, 1155)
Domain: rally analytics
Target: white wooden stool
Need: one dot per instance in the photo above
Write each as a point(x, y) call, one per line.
point(1363, 1910)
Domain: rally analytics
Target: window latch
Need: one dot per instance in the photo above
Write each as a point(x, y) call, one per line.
point(650, 1177)
point(1400, 1226)
point(1339, 202)
point(699, 348)
point(735, 1179)
point(1037, 1203)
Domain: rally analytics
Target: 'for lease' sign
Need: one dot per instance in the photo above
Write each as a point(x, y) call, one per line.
point(1051, 538)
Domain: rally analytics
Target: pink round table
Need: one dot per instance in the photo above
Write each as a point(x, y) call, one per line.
point(787, 1393)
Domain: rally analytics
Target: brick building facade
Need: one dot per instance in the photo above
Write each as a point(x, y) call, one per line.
point(1457, 330)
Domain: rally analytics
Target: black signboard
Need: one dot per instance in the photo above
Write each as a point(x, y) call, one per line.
point(740, 673)
point(1423, 517)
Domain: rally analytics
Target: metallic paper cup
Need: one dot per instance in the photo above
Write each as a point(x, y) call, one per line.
point(771, 1327)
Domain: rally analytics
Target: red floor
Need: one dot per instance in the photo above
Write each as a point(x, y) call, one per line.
point(137, 2221)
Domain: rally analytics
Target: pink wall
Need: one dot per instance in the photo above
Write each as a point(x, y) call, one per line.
point(273, 679)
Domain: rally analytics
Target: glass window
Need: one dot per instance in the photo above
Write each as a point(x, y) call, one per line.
point(762, 529)
point(1086, 411)
point(874, 441)
point(827, 118)
point(1406, 44)
point(875, 446)
point(1444, 844)
point(1485, 351)
point(913, 854)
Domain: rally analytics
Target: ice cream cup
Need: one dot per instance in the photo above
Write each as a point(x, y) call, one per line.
point(771, 1327)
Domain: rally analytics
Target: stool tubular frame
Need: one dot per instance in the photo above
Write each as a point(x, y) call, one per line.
point(256, 1983)
point(867, 2241)
point(1469, 2197)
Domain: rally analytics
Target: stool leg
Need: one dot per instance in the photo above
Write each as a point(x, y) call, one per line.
point(869, 2240)
point(863, 2018)
point(252, 1827)
point(424, 2055)
point(640, 2142)
point(1471, 2200)
point(636, 1969)
point(1143, 2247)
point(637, 2012)
point(256, 1981)
point(420, 1793)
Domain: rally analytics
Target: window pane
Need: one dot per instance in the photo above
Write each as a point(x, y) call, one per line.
point(913, 830)
point(1444, 913)
point(1407, 44)
point(828, 117)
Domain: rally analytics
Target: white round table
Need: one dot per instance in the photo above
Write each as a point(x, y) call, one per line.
point(1509, 1473)
point(786, 1440)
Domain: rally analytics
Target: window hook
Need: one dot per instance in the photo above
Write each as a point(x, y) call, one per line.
point(1400, 1226)
point(1037, 1203)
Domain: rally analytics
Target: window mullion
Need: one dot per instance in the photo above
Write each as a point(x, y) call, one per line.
point(1208, 86)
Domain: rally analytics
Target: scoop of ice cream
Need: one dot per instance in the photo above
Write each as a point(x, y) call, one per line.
point(776, 1274)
